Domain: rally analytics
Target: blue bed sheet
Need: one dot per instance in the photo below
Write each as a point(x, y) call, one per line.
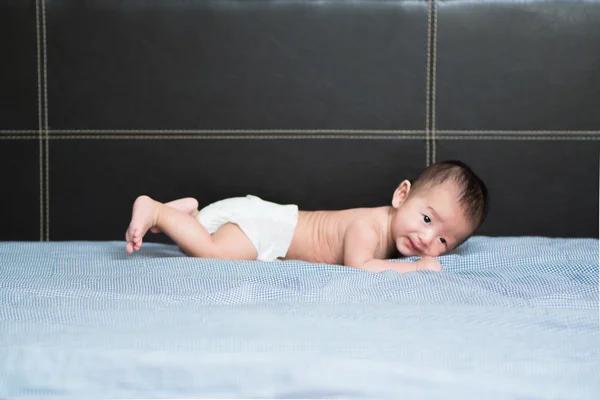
point(507, 318)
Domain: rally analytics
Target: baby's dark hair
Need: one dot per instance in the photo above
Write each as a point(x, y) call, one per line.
point(473, 195)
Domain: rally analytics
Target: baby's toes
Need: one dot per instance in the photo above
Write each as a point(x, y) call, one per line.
point(131, 234)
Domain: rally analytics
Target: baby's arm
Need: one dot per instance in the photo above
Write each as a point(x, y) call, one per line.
point(360, 245)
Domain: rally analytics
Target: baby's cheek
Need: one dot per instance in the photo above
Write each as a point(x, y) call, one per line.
point(401, 248)
point(398, 243)
point(439, 250)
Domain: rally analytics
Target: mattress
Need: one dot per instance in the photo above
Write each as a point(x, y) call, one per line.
point(506, 318)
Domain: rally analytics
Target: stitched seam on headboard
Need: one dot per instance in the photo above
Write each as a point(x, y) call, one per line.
point(490, 131)
point(4, 132)
point(304, 131)
point(45, 53)
point(252, 137)
point(428, 85)
point(288, 137)
point(509, 138)
point(246, 131)
point(39, 107)
point(433, 80)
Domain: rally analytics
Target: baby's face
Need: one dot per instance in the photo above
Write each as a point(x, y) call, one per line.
point(430, 222)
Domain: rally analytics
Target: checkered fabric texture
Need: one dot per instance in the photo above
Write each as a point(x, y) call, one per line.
point(507, 318)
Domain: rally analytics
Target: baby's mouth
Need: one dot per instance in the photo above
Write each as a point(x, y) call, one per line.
point(414, 246)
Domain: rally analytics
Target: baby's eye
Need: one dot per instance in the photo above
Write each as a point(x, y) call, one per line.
point(443, 240)
point(426, 219)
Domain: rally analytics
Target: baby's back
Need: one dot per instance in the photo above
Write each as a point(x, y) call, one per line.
point(319, 235)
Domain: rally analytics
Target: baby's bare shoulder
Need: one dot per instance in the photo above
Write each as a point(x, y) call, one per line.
point(365, 220)
point(370, 228)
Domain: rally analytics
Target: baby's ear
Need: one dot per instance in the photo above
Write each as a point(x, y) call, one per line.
point(400, 194)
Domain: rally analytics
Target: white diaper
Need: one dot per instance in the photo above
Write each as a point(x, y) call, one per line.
point(269, 226)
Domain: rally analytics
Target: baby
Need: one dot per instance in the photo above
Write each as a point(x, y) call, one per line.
point(428, 217)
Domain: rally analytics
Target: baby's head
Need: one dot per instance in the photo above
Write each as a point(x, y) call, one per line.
point(439, 210)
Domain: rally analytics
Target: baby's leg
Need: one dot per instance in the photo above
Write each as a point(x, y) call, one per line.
point(188, 205)
point(233, 242)
point(193, 239)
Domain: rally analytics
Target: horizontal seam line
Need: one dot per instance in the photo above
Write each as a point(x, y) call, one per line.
point(257, 137)
point(230, 136)
point(224, 131)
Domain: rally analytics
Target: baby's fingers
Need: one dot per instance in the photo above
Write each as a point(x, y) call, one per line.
point(429, 263)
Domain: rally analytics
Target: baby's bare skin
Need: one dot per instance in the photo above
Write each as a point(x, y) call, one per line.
point(319, 235)
point(426, 224)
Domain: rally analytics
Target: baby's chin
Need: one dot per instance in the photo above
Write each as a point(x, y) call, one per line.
point(404, 250)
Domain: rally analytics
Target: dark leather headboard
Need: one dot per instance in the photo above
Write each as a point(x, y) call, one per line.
point(325, 104)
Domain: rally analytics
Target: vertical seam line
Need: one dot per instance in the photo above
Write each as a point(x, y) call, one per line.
point(428, 84)
point(433, 80)
point(40, 118)
point(47, 203)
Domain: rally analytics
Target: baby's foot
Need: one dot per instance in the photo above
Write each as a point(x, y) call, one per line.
point(189, 205)
point(143, 217)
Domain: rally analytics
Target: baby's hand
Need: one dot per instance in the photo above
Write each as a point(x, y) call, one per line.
point(429, 263)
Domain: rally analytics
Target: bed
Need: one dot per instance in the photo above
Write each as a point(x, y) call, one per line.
point(507, 318)
point(328, 105)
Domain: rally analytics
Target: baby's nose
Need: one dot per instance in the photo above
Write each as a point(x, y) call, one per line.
point(426, 238)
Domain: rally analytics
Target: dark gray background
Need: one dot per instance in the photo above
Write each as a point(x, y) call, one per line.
point(324, 104)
